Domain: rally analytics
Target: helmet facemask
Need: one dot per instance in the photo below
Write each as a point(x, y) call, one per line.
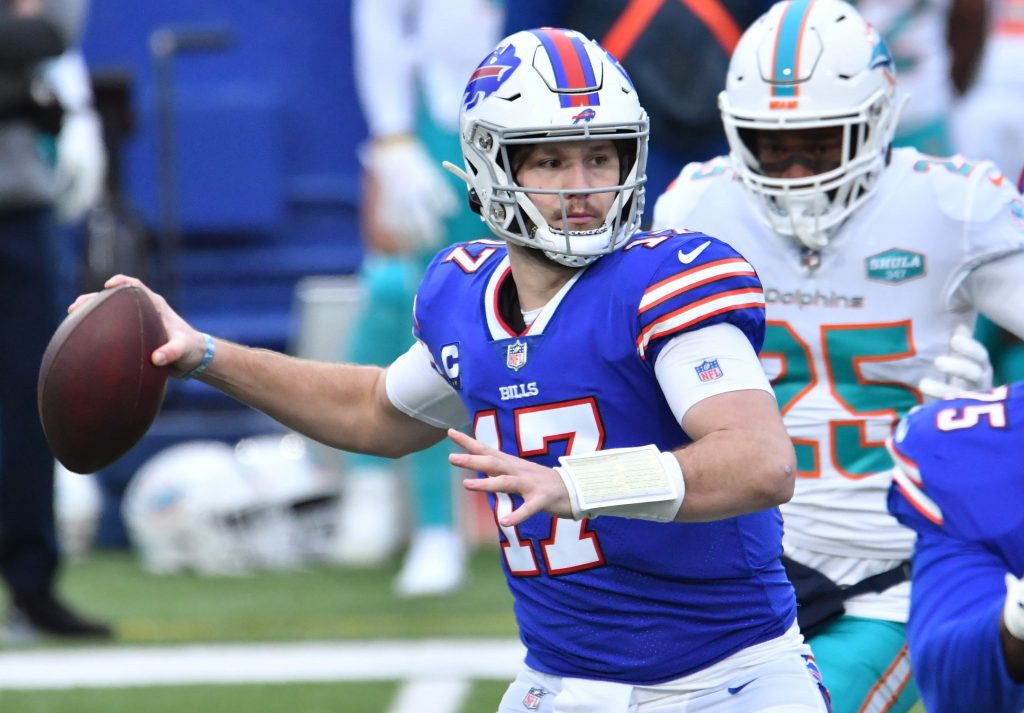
point(515, 217)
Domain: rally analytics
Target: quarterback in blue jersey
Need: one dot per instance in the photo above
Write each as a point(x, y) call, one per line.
point(621, 424)
point(959, 485)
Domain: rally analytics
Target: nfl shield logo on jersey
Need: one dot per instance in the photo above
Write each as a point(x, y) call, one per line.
point(515, 356)
point(532, 698)
point(709, 370)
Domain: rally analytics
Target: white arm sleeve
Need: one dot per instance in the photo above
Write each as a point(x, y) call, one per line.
point(725, 344)
point(996, 289)
point(417, 390)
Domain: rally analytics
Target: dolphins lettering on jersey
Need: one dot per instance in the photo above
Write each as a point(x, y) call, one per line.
point(773, 295)
point(494, 71)
point(518, 391)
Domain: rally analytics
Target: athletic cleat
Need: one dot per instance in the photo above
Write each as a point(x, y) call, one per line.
point(434, 565)
point(38, 615)
point(370, 529)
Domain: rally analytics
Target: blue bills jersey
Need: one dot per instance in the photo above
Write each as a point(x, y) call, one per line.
point(959, 485)
point(614, 598)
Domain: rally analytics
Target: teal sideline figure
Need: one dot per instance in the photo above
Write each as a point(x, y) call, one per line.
point(410, 97)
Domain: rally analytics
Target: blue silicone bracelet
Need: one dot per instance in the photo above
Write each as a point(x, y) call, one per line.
point(207, 358)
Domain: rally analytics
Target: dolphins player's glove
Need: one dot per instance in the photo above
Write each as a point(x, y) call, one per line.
point(1013, 609)
point(965, 368)
point(414, 195)
point(81, 165)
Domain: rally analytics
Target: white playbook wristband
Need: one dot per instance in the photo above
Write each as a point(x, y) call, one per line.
point(1013, 609)
point(642, 483)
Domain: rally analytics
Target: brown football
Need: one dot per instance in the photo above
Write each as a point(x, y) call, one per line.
point(98, 388)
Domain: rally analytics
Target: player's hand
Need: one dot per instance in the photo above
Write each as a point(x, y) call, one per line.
point(540, 487)
point(414, 196)
point(185, 346)
point(965, 368)
point(1013, 609)
point(81, 165)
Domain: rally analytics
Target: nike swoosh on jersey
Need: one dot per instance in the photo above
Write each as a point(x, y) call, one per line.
point(734, 691)
point(687, 258)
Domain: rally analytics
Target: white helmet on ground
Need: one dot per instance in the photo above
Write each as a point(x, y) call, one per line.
point(188, 508)
point(551, 85)
point(302, 497)
point(808, 64)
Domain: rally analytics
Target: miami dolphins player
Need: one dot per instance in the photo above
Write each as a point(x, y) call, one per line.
point(875, 263)
point(958, 483)
point(622, 425)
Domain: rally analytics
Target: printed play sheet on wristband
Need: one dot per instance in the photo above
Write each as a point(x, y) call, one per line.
point(619, 476)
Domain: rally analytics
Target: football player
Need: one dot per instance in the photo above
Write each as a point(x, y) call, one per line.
point(958, 484)
point(622, 426)
point(875, 261)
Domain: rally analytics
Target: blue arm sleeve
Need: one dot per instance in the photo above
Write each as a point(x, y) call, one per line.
point(953, 633)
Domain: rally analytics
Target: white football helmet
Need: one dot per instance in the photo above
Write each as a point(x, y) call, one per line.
point(551, 85)
point(188, 508)
point(808, 64)
point(303, 498)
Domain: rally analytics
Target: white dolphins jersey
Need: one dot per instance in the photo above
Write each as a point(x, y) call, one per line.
point(848, 342)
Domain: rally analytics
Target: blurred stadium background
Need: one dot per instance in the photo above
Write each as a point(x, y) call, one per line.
point(233, 128)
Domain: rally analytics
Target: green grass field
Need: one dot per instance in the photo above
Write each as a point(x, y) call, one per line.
point(317, 604)
point(324, 604)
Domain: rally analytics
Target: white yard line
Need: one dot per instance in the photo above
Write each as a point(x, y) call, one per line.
point(441, 660)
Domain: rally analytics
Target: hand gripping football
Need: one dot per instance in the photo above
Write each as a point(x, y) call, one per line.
point(98, 389)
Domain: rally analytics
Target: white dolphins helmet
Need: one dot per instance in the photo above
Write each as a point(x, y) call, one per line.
point(808, 64)
point(543, 85)
point(188, 508)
